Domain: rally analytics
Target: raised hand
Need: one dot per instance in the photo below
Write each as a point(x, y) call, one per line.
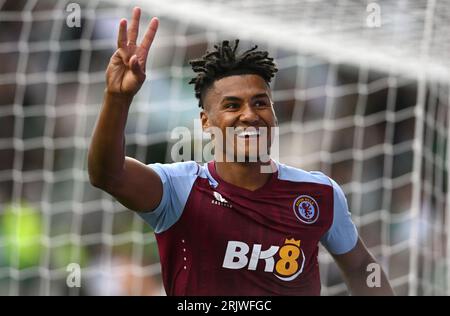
point(126, 70)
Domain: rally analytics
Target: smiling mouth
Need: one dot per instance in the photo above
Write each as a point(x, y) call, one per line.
point(248, 134)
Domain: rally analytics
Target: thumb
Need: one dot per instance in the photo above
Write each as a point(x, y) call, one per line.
point(134, 65)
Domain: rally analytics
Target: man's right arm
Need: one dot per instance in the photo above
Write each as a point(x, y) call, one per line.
point(131, 182)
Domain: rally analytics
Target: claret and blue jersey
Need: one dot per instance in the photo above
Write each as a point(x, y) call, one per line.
point(215, 238)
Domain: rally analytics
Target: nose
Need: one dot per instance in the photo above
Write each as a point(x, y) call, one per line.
point(249, 115)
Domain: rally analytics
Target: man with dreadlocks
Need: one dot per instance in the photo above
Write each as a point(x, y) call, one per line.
point(226, 227)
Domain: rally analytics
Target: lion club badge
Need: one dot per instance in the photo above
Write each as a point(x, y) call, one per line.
point(306, 209)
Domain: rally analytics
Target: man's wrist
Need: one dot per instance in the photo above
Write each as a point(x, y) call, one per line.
point(118, 97)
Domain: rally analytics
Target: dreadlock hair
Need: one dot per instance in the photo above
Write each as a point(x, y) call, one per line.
point(224, 61)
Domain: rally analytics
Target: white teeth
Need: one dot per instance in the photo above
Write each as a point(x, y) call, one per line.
point(248, 133)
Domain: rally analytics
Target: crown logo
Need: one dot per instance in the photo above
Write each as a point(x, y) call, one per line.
point(292, 242)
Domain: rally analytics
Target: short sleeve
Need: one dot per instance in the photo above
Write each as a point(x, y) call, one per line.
point(177, 181)
point(342, 235)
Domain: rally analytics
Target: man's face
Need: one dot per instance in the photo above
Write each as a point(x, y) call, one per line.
point(244, 104)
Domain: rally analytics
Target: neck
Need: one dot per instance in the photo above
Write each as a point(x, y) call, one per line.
point(245, 175)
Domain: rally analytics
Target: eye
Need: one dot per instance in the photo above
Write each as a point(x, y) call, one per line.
point(232, 106)
point(261, 103)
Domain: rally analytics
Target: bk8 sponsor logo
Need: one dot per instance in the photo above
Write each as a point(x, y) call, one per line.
point(288, 266)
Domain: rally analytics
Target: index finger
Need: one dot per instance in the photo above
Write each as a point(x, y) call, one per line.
point(150, 34)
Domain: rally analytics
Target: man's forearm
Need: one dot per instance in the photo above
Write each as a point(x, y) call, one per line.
point(362, 274)
point(106, 152)
point(366, 283)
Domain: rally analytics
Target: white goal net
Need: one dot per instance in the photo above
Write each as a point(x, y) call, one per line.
point(362, 94)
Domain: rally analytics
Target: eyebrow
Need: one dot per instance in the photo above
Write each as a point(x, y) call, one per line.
point(233, 98)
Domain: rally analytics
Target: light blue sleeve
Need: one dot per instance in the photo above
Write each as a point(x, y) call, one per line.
point(342, 235)
point(177, 180)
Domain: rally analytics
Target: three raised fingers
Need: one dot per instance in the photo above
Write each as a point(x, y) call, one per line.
point(129, 36)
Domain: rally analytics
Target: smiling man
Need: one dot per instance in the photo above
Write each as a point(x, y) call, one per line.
point(226, 227)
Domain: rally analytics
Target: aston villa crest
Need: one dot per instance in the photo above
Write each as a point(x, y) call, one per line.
point(306, 209)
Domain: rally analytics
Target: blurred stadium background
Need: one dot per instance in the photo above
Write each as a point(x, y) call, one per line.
point(369, 106)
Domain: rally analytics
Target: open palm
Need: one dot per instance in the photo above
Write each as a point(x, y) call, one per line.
point(126, 70)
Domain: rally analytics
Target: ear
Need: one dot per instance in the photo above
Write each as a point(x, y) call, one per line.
point(205, 120)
